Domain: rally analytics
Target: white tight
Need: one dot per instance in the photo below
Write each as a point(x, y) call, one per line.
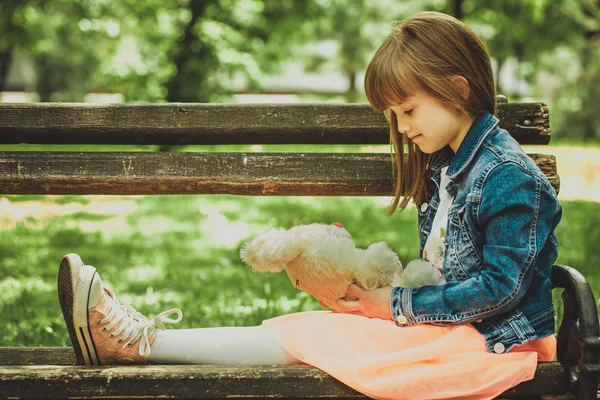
point(228, 345)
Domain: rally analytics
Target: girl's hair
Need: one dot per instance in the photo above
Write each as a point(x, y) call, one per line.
point(423, 53)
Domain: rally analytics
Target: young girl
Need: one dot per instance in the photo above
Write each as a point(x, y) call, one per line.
point(476, 335)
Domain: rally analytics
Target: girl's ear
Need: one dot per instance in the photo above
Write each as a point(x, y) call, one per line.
point(463, 86)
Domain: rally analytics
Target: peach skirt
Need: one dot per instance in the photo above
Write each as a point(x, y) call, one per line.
point(383, 361)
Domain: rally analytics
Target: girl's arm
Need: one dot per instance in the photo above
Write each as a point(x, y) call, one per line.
point(517, 216)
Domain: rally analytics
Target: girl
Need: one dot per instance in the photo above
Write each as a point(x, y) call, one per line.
point(494, 213)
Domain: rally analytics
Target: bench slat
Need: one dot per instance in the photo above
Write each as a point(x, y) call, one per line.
point(184, 123)
point(199, 381)
point(37, 356)
point(126, 173)
point(178, 381)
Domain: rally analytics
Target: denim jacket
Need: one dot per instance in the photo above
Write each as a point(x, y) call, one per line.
point(500, 243)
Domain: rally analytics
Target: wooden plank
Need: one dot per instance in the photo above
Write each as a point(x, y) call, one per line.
point(549, 379)
point(297, 174)
point(37, 356)
point(209, 381)
point(174, 381)
point(37, 371)
point(526, 121)
point(184, 123)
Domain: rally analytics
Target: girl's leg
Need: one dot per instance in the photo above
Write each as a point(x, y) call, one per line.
point(228, 345)
point(103, 331)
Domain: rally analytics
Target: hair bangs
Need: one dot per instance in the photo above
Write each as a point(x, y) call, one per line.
point(389, 79)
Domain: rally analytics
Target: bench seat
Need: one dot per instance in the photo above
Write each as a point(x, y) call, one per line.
point(50, 373)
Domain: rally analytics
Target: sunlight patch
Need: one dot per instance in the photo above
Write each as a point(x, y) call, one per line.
point(11, 289)
point(113, 225)
point(144, 273)
point(224, 233)
point(287, 305)
point(282, 304)
point(13, 213)
point(158, 225)
point(152, 298)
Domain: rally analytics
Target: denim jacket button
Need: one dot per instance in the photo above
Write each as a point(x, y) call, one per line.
point(424, 207)
point(401, 319)
point(499, 348)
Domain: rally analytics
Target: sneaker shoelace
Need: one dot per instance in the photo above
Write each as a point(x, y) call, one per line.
point(134, 326)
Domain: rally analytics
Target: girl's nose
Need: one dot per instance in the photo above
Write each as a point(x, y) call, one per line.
point(403, 128)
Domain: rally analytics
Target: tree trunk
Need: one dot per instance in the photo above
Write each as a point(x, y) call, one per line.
point(191, 86)
point(5, 62)
point(352, 93)
point(499, 88)
point(45, 87)
point(179, 85)
point(519, 52)
point(457, 10)
point(588, 71)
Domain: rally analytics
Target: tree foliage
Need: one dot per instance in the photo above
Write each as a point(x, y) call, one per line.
point(204, 50)
point(557, 46)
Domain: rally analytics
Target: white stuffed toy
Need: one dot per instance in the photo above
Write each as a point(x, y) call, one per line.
point(323, 261)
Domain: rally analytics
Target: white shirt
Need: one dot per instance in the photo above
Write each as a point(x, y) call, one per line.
point(435, 246)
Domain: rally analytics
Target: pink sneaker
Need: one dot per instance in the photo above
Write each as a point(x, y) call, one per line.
point(101, 329)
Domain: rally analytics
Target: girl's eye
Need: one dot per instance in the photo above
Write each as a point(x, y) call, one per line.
point(408, 112)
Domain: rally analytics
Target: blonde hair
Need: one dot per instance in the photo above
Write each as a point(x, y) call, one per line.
point(423, 53)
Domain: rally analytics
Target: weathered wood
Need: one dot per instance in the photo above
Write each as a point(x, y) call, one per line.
point(299, 174)
point(525, 121)
point(206, 381)
point(37, 356)
point(179, 123)
point(548, 380)
point(173, 381)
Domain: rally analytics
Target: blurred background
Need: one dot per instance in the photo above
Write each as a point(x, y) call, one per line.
point(159, 252)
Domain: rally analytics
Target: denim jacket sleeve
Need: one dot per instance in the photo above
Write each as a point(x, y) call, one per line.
point(509, 218)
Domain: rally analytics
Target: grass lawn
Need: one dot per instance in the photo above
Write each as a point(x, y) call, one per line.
point(159, 252)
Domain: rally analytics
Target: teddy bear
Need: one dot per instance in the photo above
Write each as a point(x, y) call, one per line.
point(323, 261)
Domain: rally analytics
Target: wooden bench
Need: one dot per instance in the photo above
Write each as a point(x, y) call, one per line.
point(50, 372)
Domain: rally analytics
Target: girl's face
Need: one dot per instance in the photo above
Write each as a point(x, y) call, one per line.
point(430, 124)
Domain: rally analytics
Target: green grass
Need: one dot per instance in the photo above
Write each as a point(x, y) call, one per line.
point(160, 252)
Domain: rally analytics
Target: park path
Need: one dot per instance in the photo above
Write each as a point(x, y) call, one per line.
point(578, 168)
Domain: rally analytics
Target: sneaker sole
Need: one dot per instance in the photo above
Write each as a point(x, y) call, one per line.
point(74, 282)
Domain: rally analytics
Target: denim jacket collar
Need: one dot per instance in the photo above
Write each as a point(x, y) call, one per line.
point(481, 128)
point(443, 159)
point(457, 163)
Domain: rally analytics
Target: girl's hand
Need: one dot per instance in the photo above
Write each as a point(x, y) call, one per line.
point(371, 303)
point(326, 306)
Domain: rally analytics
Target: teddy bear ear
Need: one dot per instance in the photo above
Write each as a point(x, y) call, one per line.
point(269, 251)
